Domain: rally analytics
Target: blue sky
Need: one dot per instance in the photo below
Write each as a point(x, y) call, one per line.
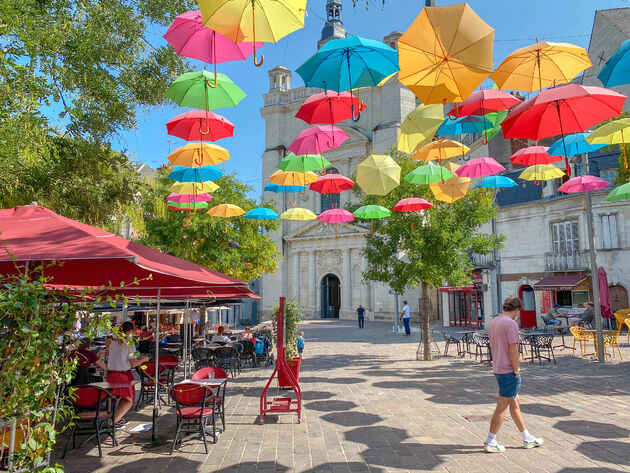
point(517, 23)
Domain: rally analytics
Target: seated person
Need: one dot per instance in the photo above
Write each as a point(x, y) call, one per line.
point(550, 317)
point(247, 334)
point(220, 336)
point(586, 317)
point(85, 359)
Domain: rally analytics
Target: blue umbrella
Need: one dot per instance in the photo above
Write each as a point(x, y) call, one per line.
point(495, 182)
point(616, 71)
point(278, 189)
point(575, 144)
point(463, 125)
point(198, 174)
point(349, 63)
point(261, 213)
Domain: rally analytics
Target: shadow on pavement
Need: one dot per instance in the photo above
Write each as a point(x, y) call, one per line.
point(331, 405)
point(587, 428)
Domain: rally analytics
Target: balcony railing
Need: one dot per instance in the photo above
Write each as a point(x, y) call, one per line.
point(481, 261)
point(575, 261)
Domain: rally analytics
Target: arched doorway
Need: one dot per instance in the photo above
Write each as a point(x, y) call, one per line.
point(618, 297)
point(528, 312)
point(330, 297)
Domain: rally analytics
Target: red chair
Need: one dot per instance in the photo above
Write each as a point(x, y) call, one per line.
point(194, 406)
point(94, 411)
point(219, 398)
point(147, 383)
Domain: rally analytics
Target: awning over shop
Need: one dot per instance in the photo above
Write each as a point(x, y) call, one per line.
point(559, 283)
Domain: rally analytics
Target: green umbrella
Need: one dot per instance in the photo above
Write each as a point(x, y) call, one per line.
point(428, 174)
point(186, 205)
point(371, 212)
point(303, 163)
point(619, 193)
point(495, 118)
point(199, 90)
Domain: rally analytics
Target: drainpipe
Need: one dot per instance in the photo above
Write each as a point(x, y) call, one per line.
point(497, 265)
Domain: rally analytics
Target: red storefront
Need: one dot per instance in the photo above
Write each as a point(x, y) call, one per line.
point(465, 303)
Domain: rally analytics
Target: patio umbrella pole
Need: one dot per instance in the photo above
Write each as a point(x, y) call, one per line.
point(185, 352)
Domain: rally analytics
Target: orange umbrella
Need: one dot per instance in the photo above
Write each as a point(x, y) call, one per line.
point(450, 190)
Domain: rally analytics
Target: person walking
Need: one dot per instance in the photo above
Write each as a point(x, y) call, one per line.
point(504, 340)
point(405, 315)
point(361, 316)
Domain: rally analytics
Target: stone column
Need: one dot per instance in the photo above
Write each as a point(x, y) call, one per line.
point(346, 301)
point(365, 295)
point(295, 277)
point(313, 299)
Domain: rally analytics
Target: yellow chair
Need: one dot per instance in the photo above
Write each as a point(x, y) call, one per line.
point(611, 339)
point(627, 322)
point(620, 316)
point(581, 335)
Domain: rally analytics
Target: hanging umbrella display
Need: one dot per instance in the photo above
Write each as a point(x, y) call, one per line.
point(412, 204)
point(440, 150)
point(318, 139)
point(198, 174)
point(292, 178)
point(495, 182)
point(428, 174)
point(619, 193)
point(419, 127)
point(186, 205)
point(495, 118)
point(541, 172)
point(189, 198)
point(193, 155)
point(541, 65)
point(225, 211)
point(612, 133)
point(583, 184)
point(616, 71)
point(335, 216)
point(451, 166)
point(200, 125)
point(193, 187)
point(261, 213)
point(450, 190)
point(480, 167)
point(573, 144)
point(371, 212)
point(482, 102)
point(463, 125)
point(278, 189)
point(331, 184)
point(252, 20)
point(298, 214)
point(445, 54)
point(200, 89)
point(303, 163)
point(533, 155)
point(330, 107)
point(378, 174)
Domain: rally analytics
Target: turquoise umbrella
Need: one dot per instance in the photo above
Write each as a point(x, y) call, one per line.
point(616, 71)
point(495, 182)
point(575, 144)
point(463, 125)
point(278, 189)
point(199, 174)
point(261, 213)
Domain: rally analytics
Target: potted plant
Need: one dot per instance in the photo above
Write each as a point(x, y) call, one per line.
point(292, 318)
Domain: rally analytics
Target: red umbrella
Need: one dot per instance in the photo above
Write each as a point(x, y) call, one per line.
point(317, 139)
point(331, 184)
point(533, 155)
point(200, 125)
point(482, 102)
point(412, 204)
point(604, 295)
point(330, 107)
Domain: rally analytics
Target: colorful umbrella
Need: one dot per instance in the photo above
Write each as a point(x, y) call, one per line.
point(541, 65)
point(193, 187)
point(419, 127)
point(583, 184)
point(225, 211)
point(541, 172)
point(330, 107)
point(298, 213)
point(445, 54)
point(428, 174)
point(616, 71)
point(261, 213)
point(495, 182)
point(331, 184)
point(248, 20)
point(292, 178)
point(378, 174)
point(370, 212)
point(335, 216)
point(480, 167)
point(186, 205)
point(283, 189)
point(318, 139)
point(533, 155)
point(496, 118)
point(198, 154)
point(463, 125)
point(482, 102)
point(619, 193)
point(573, 144)
point(200, 125)
point(303, 163)
point(612, 133)
point(440, 150)
point(450, 190)
point(451, 166)
point(198, 174)
point(412, 204)
point(189, 198)
point(200, 89)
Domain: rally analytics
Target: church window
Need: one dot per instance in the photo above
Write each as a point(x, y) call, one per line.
point(329, 201)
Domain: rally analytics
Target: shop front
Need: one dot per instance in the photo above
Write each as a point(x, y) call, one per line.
point(465, 303)
point(570, 291)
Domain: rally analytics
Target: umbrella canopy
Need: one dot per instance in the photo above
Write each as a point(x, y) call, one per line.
point(617, 68)
point(261, 213)
point(412, 204)
point(200, 125)
point(541, 172)
point(440, 150)
point(495, 182)
point(533, 155)
point(604, 294)
point(198, 174)
point(335, 216)
point(567, 109)
point(368, 212)
point(201, 89)
point(482, 102)
point(270, 187)
point(612, 133)
point(583, 184)
point(292, 178)
point(330, 107)
point(451, 166)
point(445, 54)
point(186, 205)
point(193, 155)
point(189, 198)
point(317, 139)
point(451, 190)
point(298, 213)
point(193, 187)
point(331, 184)
point(480, 167)
point(428, 174)
point(573, 144)
point(463, 125)
point(495, 118)
point(378, 174)
point(303, 163)
point(419, 127)
point(225, 211)
point(619, 193)
point(541, 65)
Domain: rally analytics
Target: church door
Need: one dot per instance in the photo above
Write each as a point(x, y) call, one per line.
point(618, 297)
point(330, 297)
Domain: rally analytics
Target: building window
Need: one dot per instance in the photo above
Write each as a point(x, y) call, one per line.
point(565, 237)
point(609, 175)
point(610, 237)
point(330, 201)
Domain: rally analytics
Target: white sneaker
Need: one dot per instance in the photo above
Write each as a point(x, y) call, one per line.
point(493, 448)
point(533, 443)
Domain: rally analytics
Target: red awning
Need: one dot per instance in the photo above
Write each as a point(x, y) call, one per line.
point(92, 257)
point(559, 283)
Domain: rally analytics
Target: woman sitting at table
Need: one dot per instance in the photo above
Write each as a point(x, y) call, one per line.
point(121, 360)
point(220, 336)
point(586, 317)
point(247, 335)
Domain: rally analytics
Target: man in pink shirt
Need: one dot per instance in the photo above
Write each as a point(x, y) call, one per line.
point(504, 339)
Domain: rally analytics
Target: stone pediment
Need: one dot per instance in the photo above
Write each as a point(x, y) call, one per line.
point(317, 230)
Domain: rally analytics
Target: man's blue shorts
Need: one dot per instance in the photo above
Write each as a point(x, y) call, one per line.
point(555, 322)
point(509, 384)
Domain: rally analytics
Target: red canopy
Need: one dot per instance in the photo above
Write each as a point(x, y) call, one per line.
point(92, 257)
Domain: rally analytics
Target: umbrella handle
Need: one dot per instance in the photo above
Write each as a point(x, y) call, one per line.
point(456, 116)
point(293, 202)
point(207, 128)
point(262, 56)
point(215, 81)
point(225, 229)
point(358, 113)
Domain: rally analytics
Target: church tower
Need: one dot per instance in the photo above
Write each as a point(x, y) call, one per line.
point(333, 29)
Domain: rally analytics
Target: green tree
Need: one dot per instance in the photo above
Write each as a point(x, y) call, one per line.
point(235, 246)
point(427, 248)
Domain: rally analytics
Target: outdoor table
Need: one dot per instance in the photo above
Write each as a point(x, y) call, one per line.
point(529, 337)
point(210, 382)
point(107, 386)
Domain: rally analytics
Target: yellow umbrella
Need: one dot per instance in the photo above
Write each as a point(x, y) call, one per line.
point(541, 172)
point(541, 65)
point(292, 178)
point(612, 133)
point(378, 174)
point(253, 20)
point(225, 211)
point(451, 166)
point(445, 54)
point(450, 190)
point(419, 127)
point(439, 150)
point(194, 155)
point(193, 187)
point(298, 214)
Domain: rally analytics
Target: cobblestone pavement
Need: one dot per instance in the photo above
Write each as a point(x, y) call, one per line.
point(369, 406)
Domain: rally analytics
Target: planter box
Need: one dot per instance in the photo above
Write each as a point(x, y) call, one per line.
point(294, 366)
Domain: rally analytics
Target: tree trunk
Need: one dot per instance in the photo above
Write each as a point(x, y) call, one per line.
point(423, 353)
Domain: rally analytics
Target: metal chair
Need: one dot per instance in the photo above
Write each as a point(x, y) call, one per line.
point(248, 352)
point(219, 398)
point(482, 343)
point(202, 357)
point(226, 358)
point(467, 340)
point(542, 342)
point(582, 336)
point(194, 406)
point(451, 341)
point(147, 372)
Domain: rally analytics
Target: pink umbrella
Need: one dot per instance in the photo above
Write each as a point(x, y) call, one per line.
point(533, 155)
point(583, 184)
point(412, 204)
point(480, 167)
point(317, 139)
point(331, 184)
point(189, 198)
point(335, 216)
point(604, 295)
